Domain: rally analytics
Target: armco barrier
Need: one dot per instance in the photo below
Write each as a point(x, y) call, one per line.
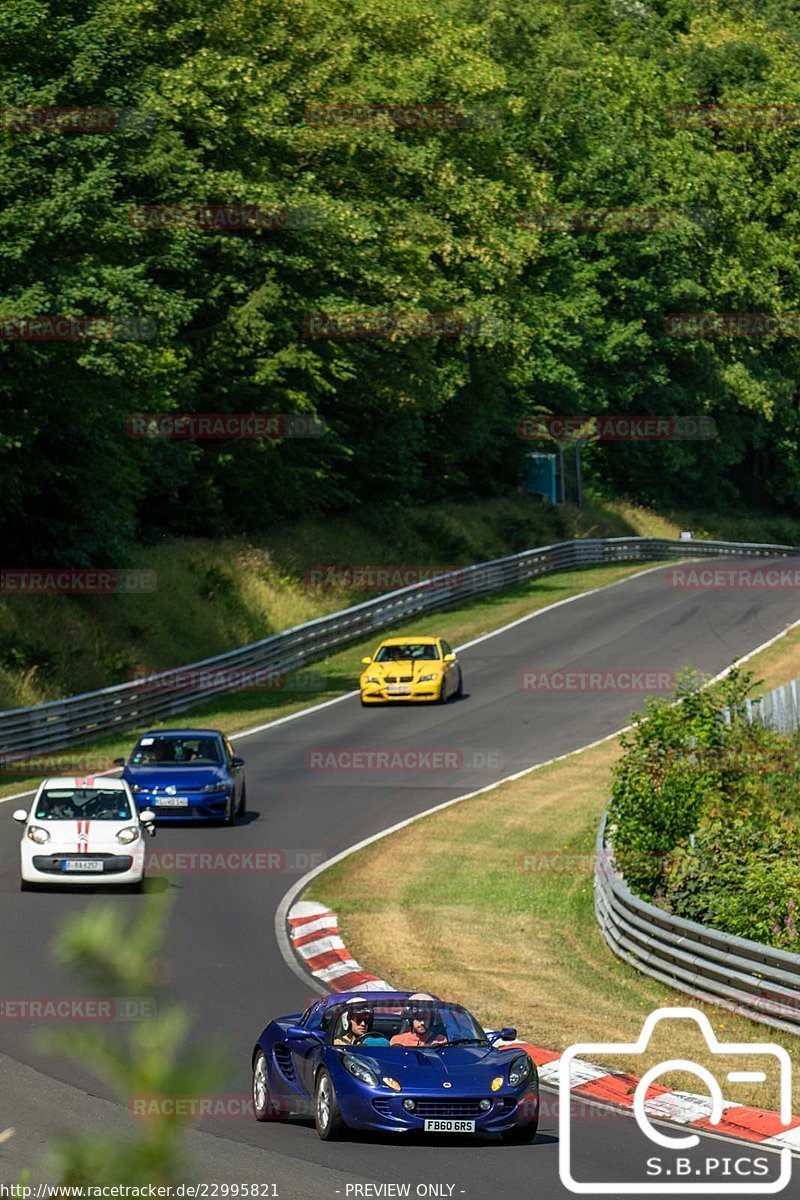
point(756, 981)
point(77, 719)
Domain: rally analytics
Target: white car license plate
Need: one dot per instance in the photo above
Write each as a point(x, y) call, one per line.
point(82, 864)
point(398, 689)
point(442, 1126)
point(172, 802)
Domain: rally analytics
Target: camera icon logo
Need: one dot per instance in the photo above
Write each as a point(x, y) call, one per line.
point(680, 1175)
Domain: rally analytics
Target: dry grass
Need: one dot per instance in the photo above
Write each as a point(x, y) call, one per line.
point(450, 905)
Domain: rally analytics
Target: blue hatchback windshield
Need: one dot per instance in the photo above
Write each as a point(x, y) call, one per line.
point(176, 752)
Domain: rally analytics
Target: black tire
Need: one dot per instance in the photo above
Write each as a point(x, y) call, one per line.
point(262, 1102)
point(329, 1121)
point(459, 692)
point(242, 809)
point(26, 887)
point(443, 693)
point(521, 1135)
point(230, 812)
point(134, 889)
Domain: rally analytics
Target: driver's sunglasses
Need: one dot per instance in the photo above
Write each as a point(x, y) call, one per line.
point(419, 1014)
point(360, 1017)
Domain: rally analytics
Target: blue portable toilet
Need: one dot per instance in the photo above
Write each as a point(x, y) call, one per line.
point(540, 475)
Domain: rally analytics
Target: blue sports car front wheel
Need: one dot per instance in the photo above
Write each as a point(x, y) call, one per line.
point(329, 1121)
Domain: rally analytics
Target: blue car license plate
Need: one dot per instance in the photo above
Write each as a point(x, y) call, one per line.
point(440, 1125)
point(172, 802)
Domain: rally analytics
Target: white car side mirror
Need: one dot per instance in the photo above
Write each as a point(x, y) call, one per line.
point(20, 815)
point(146, 816)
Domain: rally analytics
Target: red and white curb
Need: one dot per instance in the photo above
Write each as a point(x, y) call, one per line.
point(314, 934)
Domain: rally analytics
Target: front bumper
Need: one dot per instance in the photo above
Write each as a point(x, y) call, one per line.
point(55, 867)
point(209, 807)
point(379, 1110)
point(373, 693)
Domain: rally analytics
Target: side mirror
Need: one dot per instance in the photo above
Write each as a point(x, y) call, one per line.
point(119, 762)
point(449, 658)
point(236, 761)
point(502, 1035)
point(147, 816)
point(366, 661)
point(296, 1033)
point(20, 814)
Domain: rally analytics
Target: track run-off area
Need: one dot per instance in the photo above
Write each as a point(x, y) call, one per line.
point(314, 790)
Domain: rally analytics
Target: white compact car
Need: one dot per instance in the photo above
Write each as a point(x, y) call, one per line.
point(83, 831)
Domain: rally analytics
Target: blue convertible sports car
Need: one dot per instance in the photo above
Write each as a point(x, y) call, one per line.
point(186, 773)
point(394, 1062)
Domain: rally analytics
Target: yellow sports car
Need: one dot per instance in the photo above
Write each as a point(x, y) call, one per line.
point(421, 668)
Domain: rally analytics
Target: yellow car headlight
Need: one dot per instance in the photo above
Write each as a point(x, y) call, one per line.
point(427, 678)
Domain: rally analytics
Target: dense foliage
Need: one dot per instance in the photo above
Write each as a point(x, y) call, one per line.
point(704, 813)
point(566, 103)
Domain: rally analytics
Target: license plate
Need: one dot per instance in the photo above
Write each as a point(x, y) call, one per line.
point(441, 1126)
point(81, 864)
point(172, 802)
point(398, 689)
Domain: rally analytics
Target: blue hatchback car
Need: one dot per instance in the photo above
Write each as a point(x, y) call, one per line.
point(191, 774)
point(394, 1062)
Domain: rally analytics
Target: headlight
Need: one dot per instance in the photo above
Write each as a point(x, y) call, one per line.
point(37, 834)
point(427, 678)
point(215, 787)
point(358, 1068)
point(373, 679)
point(519, 1070)
point(129, 834)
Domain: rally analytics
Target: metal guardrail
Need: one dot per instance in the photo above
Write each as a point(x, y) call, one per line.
point(78, 719)
point(755, 981)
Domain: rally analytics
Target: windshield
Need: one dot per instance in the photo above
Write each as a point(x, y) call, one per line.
point(176, 752)
point(418, 1023)
point(83, 804)
point(408, 651)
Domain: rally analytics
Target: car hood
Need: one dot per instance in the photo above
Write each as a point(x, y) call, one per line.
point(181, 778)
point(463, 1066)
point(430, 666)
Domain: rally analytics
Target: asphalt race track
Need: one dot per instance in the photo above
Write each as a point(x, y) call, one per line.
point(223, 955)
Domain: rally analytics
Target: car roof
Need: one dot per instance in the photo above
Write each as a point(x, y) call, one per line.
point(76, 781)
point(404, 641)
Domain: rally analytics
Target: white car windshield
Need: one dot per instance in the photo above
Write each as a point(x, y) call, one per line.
point(83, 804)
